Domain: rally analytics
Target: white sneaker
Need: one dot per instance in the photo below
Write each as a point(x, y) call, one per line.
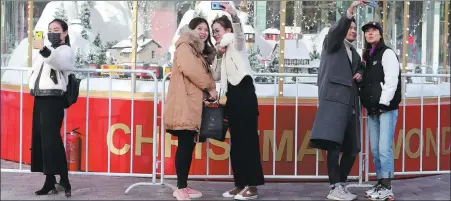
point(348, 192)
point(372, 190)
point(232, 193)
point(248, 193)
point(382, 193)
point(338, 193)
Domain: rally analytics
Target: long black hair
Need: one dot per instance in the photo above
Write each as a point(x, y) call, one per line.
point(64, 26)
point(209, 47)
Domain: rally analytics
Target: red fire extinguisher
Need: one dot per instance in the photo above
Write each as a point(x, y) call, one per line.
point(73, 150)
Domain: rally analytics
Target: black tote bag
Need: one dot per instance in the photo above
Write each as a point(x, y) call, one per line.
point(214, 123)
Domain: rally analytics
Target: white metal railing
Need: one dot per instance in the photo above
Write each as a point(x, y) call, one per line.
point(155, 162)
point(363, 163)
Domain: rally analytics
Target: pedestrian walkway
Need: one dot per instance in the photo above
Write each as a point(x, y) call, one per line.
point(21, 186)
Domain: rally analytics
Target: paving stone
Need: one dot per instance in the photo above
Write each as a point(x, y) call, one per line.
point(21, 186)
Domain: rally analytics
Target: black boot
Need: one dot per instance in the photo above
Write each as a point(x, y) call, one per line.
point(65, 184)
point(49, 186)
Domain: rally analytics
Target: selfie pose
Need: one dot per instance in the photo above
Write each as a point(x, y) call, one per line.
point(232, 68)
point(48, 82)
point(191, 81)
point(337, 126)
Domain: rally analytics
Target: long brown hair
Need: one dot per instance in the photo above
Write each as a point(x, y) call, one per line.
point(224, 22)
point(209, 47)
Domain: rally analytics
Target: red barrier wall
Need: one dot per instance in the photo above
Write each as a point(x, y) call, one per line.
point(219, 164)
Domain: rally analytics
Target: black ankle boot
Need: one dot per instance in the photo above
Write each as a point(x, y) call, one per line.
point(65, 184)
point(67, 188)
point(49, 186)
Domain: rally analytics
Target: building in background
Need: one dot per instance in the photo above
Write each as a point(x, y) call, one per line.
point(148, 51)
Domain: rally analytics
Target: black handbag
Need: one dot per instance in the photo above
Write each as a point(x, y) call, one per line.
point(214, 123)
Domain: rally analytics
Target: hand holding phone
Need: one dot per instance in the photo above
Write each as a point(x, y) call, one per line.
point(216, 5)
point(371, 3)
point(38, 40)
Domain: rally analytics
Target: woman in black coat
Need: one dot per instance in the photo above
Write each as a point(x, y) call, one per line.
point(48, 82)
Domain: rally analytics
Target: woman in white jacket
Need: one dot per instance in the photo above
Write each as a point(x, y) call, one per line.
point(48, 82)
point(232, 68)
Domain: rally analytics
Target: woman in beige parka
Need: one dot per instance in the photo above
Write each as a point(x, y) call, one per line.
point(191, 82)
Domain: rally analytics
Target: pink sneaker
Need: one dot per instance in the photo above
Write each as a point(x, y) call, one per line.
point(193, 194)
point(181, 194)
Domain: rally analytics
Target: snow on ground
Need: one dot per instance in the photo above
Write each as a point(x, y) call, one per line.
point(263, 90)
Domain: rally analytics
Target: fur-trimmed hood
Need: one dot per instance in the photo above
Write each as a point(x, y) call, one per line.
point(190, 37)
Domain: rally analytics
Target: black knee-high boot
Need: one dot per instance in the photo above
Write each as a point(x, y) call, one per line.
point(49, 186)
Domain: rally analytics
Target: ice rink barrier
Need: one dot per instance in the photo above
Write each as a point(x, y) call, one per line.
point(116, 128)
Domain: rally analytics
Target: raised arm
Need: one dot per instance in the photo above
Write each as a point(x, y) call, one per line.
point(196, 74)
point(61, 58)
point(338, 32)
point(239, 38)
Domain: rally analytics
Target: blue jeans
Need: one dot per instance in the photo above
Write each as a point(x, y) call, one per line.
point(382, 132)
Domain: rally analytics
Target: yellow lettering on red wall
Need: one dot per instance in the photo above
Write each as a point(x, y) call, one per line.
point(224, 155)
point(430, 141)
point(446, 148)
point(220, 150)
point(285, 144)
point(140, 140)
point(305, 150)
point(397, 144)
point(409, 152)
point(109, 138)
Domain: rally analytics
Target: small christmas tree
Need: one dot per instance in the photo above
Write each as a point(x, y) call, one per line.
point(85, 15)
point(254, 54)
point(91, 58)
point(314, 54)
point(110, 44)
point(111, 60)
point(79, 59)
point(97, 42)
point(60, 13)
point(101, 56)
point(250, 19)
point(217, 16)
point(84, 34)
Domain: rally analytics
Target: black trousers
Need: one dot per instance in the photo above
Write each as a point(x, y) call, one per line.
point(47, 149)
point(339, 169)
point(242, 111)
point(184, 155)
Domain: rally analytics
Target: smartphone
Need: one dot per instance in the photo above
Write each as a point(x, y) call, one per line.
point(38, 35)
point(371, 3)
point(216, 5)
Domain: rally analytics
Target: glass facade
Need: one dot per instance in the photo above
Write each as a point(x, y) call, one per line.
point(158, 23)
